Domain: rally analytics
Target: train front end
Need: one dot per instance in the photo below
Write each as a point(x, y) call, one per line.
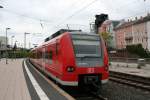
point(88, 63)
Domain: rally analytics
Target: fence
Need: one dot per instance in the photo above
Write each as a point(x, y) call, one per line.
point(130, 62)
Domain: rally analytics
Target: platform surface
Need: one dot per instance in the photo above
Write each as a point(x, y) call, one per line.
point(12, 81)
point(19, 80)
point(130, 68)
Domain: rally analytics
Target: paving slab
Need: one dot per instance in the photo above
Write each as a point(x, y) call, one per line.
point(12, 81)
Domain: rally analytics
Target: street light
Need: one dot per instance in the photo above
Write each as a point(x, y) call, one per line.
point(35, 45)
point(25, 39)
point(6, 45)
point(1, 7)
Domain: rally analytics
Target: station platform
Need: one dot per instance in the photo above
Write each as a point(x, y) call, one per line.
point(19, 80)
point(130, 68)
point(12, 81)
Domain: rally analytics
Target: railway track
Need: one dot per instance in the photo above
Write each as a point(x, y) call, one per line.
point(84, 95)
point(131, 80)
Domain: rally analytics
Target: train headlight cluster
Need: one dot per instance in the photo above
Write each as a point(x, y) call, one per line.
point(70, 69)
point(106, 68)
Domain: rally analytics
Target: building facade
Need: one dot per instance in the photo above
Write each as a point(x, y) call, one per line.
point(134, 32)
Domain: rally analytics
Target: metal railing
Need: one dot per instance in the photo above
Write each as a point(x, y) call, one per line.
point(130, 62)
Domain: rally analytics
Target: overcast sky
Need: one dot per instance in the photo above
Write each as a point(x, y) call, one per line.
point(41, 18)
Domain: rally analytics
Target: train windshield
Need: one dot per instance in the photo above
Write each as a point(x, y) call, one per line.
point(87, 49)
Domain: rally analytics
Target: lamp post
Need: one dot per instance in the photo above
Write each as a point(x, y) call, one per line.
point(0, 41)
point(15, 50)
point(6, 45)
point(35, 45)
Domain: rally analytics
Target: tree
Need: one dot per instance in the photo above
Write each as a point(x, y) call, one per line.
point(107, 37)
point(138, 49)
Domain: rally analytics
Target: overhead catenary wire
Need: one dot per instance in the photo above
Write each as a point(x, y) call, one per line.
point(50, 22)
point(26, 16)
point(77, 12)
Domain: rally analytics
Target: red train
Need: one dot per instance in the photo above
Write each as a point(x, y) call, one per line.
point(73, 58)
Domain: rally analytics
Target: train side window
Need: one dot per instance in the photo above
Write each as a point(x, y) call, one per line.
point(56, 48)
point(50, 56)
point(46, 55)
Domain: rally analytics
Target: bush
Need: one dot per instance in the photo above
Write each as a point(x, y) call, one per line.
point(139, 50)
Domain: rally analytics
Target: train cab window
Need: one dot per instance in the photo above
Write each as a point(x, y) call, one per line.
point(87, 49)
point(86, 45)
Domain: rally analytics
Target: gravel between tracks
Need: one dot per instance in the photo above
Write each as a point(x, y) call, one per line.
point(116, 91)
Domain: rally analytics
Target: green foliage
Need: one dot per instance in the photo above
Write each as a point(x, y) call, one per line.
point(139, 50)
point(19, 54)
point(107, 37)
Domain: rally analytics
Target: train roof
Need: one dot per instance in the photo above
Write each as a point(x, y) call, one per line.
point(84, 33)
point(61, 31)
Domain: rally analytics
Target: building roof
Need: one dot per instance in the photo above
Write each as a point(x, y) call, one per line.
point(115, 23)
point(123, 25)
point(134, 22)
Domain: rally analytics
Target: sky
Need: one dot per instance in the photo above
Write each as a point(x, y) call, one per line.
point(41, 18)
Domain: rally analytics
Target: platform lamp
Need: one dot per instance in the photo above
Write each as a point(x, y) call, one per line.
point(6, 45)
point(0, 41)
point(1, 6)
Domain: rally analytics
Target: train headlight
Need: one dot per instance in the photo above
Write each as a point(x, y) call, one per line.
point(70, 69)
point(106, 68)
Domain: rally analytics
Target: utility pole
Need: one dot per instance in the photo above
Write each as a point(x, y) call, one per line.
point(0, 41)
point(1, 7)
point(12, 40)
point(25, 43)
point(92, 27)
point(6, 52)
point(67, 26)
point(12, 47)
point(25, 39)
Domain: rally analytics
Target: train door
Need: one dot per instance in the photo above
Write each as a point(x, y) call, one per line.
point(43, 56)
